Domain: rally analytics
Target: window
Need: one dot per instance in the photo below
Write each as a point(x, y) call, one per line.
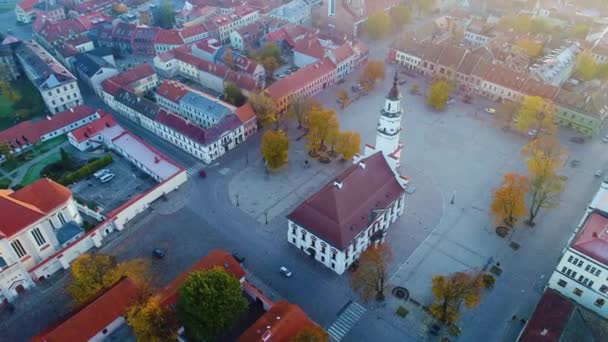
point(587, 268)
point(597, 272)
point(562, 283)
point(333, 255)
point(599, 302)
point(38, 237)
point(603, 289)
point(580, 263)
point(61, 218)
point(333, 265)
point(578, 292)
point(18, 248)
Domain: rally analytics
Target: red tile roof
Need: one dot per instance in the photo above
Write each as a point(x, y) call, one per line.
point(310, 46)
point(279, 324)
point(592, 239)
point(245, 113)
point(92, 19)
point(505, 77)
point(299, 79)
point(34, 130)
point(549, 319)
point(27, 5)
point(172, 90)
point(338, 215)
point(24, 207)
point(216, 258)
point(168, 37)
point(83, 133)
point(86, 322)
point(191, 31)
point(130, 76)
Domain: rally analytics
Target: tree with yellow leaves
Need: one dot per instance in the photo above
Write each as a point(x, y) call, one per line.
point(322, 124)
point(374, 70)
point(93, 273)
point(509, 203)
point(264, 108)
point(544, 157)
point(370, 278)
point(152, 322)
point(401, 15)
point(453, 290)
point(312, 333)
point(349, 143)
point(300, 108)
point(586, 66)
point(275, 148)
point(343, 96)
point(536, 113)
point(378, 24)
point(439, 93)
point(531, 48)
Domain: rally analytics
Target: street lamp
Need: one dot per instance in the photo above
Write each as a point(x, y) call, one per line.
point(453, 197)
point(266, 215)
point(237, 198)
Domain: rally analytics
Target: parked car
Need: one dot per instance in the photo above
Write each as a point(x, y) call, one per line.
point(202, 174)
point(533, 132)
point(285, 272)
point(238, 257)
point(356, 87)
point(341, 81)
point(100, 173)
point(490, 110)
point(605, 139)
point(339, 101)
point(402, 82)
point(159, 253)
point(598, 173)
point(451, 101)
point(578, 140)
point(107, 177)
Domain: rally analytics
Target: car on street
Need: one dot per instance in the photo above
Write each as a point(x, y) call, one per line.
point(605, 139)
point(451, 101)
point(577, 140)
point(100, 173)
point(339, 101)
point(490, 110)
point(598, 173)
point(356, 87)
point(285, 272)
point(107, 177)
point(532, 133)
point(202, 174)
point(341, 81)
point(238, 257)
point(159, 253)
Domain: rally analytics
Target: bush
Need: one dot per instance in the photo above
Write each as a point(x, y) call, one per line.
point(401, 311)
point(488, 281)
point(454, 330)
point(86, 170)
point(18, 187)
point(5, 183)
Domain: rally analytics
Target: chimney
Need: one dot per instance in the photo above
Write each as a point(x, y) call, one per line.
point(594, 234)
point(156, 160)
point(72, 110)
point(544, 332)
point(338, 185)
point(362, 165)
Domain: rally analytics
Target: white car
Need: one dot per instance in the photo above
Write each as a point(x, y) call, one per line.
point(285, 272)
point(605, 140)
point(532, 132)
point(101, 173)
point(598, 173)
point(490, 110)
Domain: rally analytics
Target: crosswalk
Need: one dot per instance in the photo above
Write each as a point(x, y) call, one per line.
point(194, 169)
point(224, 171)
point(351, 313)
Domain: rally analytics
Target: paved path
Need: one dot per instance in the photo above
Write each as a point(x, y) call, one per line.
point(21, 170)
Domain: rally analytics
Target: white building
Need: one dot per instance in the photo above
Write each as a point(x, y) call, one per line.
point(296, 12)
point(354, 210)
point(582, 271)
point(35, 222)
point(56, 84)
point(557, 66)
point(25, 11)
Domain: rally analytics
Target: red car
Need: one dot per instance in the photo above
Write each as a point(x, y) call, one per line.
point(202, 174)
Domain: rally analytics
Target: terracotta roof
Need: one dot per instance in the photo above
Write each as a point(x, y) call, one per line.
point(169, 37)
point(191, 31)
point(281, 323)
point(338, 215)
point(216, 258)
point(195, 132)
point(84, 133)
point(52, 31)
point(451, 56)
point(89, 320)
point(533, 87)
point(27, 5)
point(32, 131)
point(310, 46)
point(300, 79)
point(245, 113)
point(549, 318)
point(505, 77)
point(132, 75)
point(243, 81)
point(592, 240)
point(469, 62)
point(172, 90)
point(92, 19)
point(24, 207)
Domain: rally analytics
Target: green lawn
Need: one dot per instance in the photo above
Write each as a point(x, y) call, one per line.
point(5, 183)
point(7, 8)
point(39, 149)
point(33, 173)
point(6, 112)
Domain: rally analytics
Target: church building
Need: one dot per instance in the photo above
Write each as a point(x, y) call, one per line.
point(355, 209)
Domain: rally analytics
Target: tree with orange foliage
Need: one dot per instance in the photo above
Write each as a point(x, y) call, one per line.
point(453, 290)
point(372, 274)
point(343, 96)
point(537, 113)
point(312, 333)
point(509, 203)
point(375, 70)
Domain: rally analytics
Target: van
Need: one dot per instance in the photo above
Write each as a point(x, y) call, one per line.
point(100, 173)
point(107, 177)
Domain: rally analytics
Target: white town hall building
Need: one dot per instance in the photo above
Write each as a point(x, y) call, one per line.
point(355, 209)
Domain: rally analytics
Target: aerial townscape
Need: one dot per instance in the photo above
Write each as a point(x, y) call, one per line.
point(303, 170)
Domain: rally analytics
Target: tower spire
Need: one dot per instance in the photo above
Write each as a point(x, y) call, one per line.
point(394, 94)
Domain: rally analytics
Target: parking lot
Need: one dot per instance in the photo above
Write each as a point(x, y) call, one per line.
point(129, 181)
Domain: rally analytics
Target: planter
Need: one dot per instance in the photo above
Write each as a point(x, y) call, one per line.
point(502, 231)
point(324, 159)
point(332, 154)
point(401, 292)
point(313, 154)
point(488, 281)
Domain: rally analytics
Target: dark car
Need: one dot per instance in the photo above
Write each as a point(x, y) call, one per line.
point(159, 253)
point(202, 174)
point(578, 140)
point(238, 257)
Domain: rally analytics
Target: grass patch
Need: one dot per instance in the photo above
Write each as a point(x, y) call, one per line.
point(402, 312)
point(33, 173)
point(5, 183)
point(35, 151)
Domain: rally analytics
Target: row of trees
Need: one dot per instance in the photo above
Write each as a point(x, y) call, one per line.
point(209, 302)
point(587, 68)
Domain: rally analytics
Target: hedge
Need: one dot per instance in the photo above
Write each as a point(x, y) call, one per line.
point(86, 170)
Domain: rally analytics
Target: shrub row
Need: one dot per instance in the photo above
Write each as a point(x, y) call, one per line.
point(86, 170)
